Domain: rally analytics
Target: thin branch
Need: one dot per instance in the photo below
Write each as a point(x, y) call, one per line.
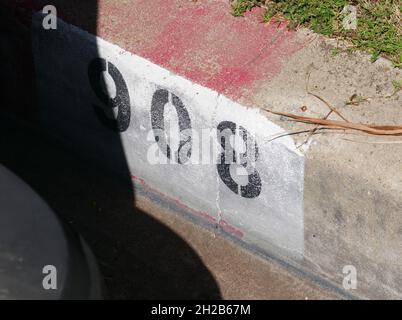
point(332, 108)
point(333, 124)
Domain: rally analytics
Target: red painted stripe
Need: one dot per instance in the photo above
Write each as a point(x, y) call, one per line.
point(204, 215)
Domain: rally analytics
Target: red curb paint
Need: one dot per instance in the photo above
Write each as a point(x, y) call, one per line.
point(207, 45)
point(201, 41)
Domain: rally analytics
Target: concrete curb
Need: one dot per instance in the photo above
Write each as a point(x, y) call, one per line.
point(330, 204)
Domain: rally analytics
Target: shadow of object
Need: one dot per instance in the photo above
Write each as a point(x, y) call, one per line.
point(138, 256)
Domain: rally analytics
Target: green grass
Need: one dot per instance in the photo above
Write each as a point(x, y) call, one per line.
point(379, 22)
point(397, 84)
point(239, 7)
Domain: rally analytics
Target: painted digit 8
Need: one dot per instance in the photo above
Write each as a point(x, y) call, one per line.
point(253, 188)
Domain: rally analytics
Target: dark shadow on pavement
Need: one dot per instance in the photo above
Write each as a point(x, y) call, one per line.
point(139, 257)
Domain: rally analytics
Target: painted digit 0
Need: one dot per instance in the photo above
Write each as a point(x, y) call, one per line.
point(159, 100)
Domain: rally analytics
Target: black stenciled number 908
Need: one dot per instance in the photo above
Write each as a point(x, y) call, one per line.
point(121, 101)
point(160, 97)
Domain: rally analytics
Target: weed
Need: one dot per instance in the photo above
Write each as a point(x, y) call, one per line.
point(397, 84)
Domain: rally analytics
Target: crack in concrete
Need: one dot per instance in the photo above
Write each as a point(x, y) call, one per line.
point(217, 199)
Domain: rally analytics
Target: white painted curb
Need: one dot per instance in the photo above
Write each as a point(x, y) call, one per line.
point(269, 214)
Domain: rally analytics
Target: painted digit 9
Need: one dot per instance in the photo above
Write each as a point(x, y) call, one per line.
point(121, 101)
point(228, 157)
